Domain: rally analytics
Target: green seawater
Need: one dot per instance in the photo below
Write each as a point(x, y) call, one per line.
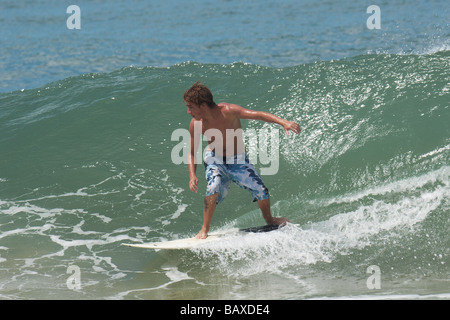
point(86, 166)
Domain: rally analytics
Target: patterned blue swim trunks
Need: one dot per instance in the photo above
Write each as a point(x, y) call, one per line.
point(221, 171)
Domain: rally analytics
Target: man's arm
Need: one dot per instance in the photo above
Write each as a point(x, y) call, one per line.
point(243, 113)
point(193, 147)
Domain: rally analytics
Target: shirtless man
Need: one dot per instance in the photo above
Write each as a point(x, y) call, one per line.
point(226, 161)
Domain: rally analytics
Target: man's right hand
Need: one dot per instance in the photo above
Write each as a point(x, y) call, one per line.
point(193, 182)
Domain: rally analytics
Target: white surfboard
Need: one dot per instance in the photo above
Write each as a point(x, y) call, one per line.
point(190, 243)
point(176, 244)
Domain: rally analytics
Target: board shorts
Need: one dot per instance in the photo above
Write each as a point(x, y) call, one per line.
point(221, 171)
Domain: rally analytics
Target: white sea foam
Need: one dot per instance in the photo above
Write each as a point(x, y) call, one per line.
point(291, 247)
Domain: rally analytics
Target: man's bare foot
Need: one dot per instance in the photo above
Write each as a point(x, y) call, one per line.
point(202, 235)
point(279, 221)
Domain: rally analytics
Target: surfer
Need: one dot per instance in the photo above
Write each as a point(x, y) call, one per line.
point(225, 157)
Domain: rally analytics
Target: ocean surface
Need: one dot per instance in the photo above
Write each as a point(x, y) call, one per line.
point(86, 123)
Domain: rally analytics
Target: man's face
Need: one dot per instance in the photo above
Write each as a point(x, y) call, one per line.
point(194, 110)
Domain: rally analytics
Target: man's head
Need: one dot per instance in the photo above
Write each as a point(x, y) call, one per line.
point(197, 97)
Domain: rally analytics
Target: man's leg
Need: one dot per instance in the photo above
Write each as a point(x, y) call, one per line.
point(264, 205)
point(246, 176)
point(208, 211)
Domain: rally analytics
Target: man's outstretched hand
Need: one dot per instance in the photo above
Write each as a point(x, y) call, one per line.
point(291, 125)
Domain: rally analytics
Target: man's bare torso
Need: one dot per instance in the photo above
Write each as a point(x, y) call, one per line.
point(230, 128)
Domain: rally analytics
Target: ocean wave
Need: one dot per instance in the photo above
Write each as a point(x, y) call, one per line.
point(86, 164)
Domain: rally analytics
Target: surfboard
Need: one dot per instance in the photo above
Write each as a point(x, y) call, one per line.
point(176, 244)
point(190, 243)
